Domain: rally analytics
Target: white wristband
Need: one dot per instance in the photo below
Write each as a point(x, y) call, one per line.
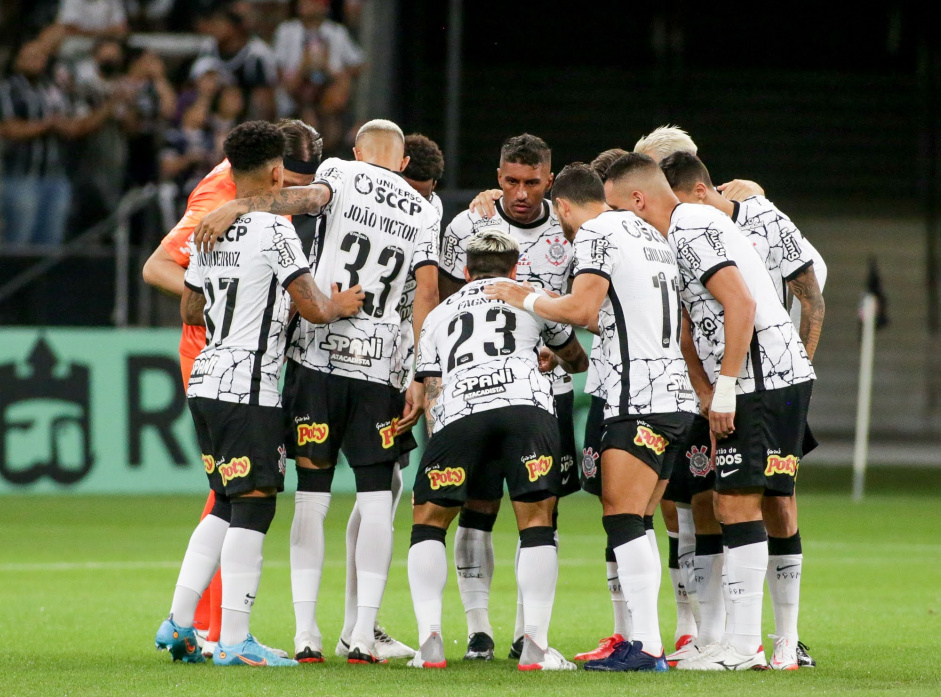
point(723, 397)
point(529, 302)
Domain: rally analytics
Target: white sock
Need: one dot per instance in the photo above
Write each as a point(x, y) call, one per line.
point(199, 566)
point(373, 555)
point(784, 583)
point(518, 625)
point(685, 622)
point(709, 589)
point(726, 595)
point(473, 559)
point(241, 573)
point(350, 597)
point(685, 550)
point(747, 566)
point(536, 575)
point(427, 576)
point(638, 575)
point(307, 550)
point(622, 615)
point(655, 551)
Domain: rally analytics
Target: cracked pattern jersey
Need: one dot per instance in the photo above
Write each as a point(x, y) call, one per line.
point(643, 370)
point(375, 231)
point(243, 280)
point(486, 354)
point(705, 241)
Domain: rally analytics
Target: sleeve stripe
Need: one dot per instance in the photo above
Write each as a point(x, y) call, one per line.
point(707, 275)
point(799, 270)
point(427, 262)
point(294, 276)
point(565, 343)
point(596, 272)
point(326, 184)
point(421, 375)
point(195, 289)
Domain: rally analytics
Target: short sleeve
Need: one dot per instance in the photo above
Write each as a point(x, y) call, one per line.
point(426, 247)
point(594, 253)
point(555, 335)
point(282, 248)
point(429, 363)
point(193, 278)
point(332, 173)
point(453, 252)
point(701, 251)
point(796, 253)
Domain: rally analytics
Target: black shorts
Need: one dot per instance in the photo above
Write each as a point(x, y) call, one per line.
point(649, 438)
point(325, 413)
point(694, 471)
point(471, 458)
point(765, 449)
point(568, 455)
point(241, 445)
point(590, 472)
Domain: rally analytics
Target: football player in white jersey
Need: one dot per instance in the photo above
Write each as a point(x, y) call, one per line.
point(522, 211)
point(762, 385)
point(627, 289)
point(242, 292)
point(342, 385)
point(791, 263)
point(425, 168)
point(478, 360)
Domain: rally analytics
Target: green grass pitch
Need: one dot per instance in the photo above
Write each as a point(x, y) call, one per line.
point(86, 581)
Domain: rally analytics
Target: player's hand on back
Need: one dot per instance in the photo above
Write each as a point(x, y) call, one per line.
point(511, 293)
point(483, 204)
point(414, 407)
point(740, 189)
point(349, 301)
point(547, 360)
point(214, 225)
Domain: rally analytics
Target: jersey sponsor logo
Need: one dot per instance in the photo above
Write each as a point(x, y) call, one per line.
point(450, 476)
point(715, 241)
point(209, 463)
point(590, 463)
point(312, 433)
point(363, 184)
point(387, 432)
point(537, 467)
point(681, 386)
point(236, 467)
point(648, 439)
point(202, 366)
point(524, 261)
point(237, 232)
point(343, 349)
point(787, 464)
point(483, 385)
point(688, 254)
point(448, 249)
point(708, 327)
point(557, 253)
point(285, 254)
point(792, 250)
point(699, 464)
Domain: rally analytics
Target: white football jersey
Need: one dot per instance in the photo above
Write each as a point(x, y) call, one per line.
point(247, 307)
point(705, 240)
point(486, 354)
point(639, 322)
point(594, 383)
point(375, 232)
point(546, 257)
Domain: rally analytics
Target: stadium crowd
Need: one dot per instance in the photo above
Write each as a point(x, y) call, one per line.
point(90, 106)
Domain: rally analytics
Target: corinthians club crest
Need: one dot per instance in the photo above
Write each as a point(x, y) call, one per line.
point(699, 464)
point(557, 254)
point(363, 184)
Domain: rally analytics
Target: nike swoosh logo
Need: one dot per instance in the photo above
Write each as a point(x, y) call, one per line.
point(789, 566)
point(727, 473)
point(465, 568)
point(258, 664)
point(733, 666)
point(613, 579)
point(698, 568)
point(733, 583)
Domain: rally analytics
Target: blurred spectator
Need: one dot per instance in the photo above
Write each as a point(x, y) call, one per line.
point(149, 15)
point(241, 58)
point(317, 61)
point(94, 18)
point(150, 102)
point(36, 117)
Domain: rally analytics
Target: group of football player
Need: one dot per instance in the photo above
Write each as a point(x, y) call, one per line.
point(700, 381)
